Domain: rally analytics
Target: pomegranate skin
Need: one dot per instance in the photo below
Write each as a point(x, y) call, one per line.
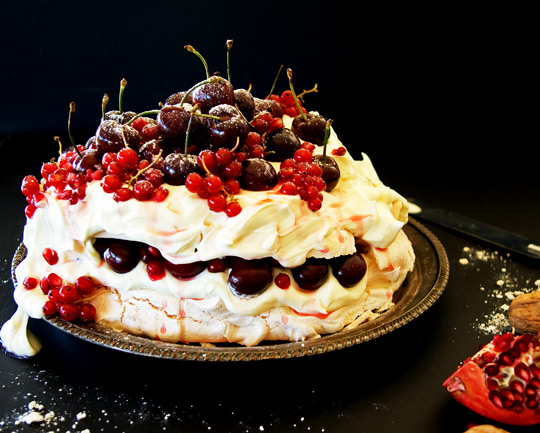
point(487, 384)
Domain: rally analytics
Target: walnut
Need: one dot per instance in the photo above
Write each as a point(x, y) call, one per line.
point(485, 428)
point(524, 313)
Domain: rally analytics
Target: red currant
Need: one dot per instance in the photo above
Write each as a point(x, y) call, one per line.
point(68, 293)
point(50, 308)
point(143, 190)
point(160, 194)
point(50, 256)
point(86, 313)
point(283, 281)
point(111, 183)
point(122, 194)
point(194, 182)
point(30, 283)
point(213, 183)
point(85, 285)
point(30, 186)
point(68, 312)
point(127, 158)
point(232, 209)
point(217, 202)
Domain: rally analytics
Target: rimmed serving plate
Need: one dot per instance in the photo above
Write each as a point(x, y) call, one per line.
point(422, 287)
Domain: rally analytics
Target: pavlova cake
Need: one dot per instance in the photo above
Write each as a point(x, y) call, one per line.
point(219, 217)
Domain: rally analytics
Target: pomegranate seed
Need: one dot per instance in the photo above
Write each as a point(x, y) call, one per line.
point(50, 256)
point(86, 313)
point(156, 270)
point(30, 186)
point(340, 151)
point(44, 284)
point(522, 371)
point(30, 283)
point(491, 369)
point(48, 168)
point(308, 146)
point(30, 210)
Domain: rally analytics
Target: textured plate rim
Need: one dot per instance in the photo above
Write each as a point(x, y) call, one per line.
point(387, 322)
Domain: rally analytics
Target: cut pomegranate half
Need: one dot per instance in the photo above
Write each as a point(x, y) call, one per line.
point(502, 380)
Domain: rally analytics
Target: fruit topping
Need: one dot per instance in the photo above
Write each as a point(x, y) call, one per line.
point(230, 130)
point(258, 175)
point(281, 144)
point(250, 277)
point(312, 274)
point(177, 166)
point(349, 270)
point(502, 380)
point(122, 256)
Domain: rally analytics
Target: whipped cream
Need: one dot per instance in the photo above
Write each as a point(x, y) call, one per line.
point(185, 230)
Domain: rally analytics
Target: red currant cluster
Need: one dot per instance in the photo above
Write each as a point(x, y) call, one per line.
point(219, 182)
point(127, 176)
point(69, 301)
point(147, 128)
point(266, 122)
point(286, 99)
point(301, 176)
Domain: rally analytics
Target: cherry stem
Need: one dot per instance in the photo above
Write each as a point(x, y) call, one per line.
point(71, 110)
point(326, 135)
point(144, 113)
point(229, 47)
point(194, 51)
point(191, 114)
point(275, 81)
point(123, 84)
point(104, 103)
point(289, 74)
point(57, 139)
point(142, 170)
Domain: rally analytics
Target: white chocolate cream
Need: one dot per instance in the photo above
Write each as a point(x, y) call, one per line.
point(184, 230)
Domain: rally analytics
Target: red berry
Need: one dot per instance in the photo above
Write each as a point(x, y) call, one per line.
point(50, 256)
point(217, 202)
point(223, 156)
point(111, 183)
point(314, 204)
point(217, 265)
point(213, 183)
point(68, 293)
point(232, 209)
point(30, 283)
point(194, 182)
point(143, 190)
point(30, 210)
point(233, 170)
point(122, 194)
point(139, 123)
point(50, 308)
point(340, 151)
point(253, 138)
point(86, 313)
point(154, 176)
point(283, 281)
point(288, 188)
point(54, 280)
point(44, 284)
point(68, 312)
point(127, 157)
point(48, 168)
point(160, 194)
point(155, 270)
point(207, 160)
point(53, 295)
point(85, 285)
point(150, 132)
point(232, 186)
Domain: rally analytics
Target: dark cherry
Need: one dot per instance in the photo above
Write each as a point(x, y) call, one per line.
point(208, 95)
point(249, 277)
point(111, 136)
point(349, 270)
point(91, 160)
point(258, 175)
point(271, 106)
point(176, 167)
point(312, 274)
point(245, 102)
point(173, 120)
point(331, 173)
point(122, 256)
point(281, 144)
point(178, 97)
point(120, 117)
point(231, 127)
point(312, 128)
point(150, 151)
point(185, 270)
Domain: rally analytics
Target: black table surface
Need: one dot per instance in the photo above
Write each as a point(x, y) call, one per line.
point(389, 384)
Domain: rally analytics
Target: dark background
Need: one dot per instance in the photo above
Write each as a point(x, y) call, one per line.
point(441, 99)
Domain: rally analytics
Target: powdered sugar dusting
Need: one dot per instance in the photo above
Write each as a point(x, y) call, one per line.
point(504, 284)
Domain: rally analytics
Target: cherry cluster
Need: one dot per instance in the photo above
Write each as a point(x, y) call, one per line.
point(302, 176)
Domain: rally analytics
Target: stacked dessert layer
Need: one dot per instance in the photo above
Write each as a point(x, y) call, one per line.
point(275, 252)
